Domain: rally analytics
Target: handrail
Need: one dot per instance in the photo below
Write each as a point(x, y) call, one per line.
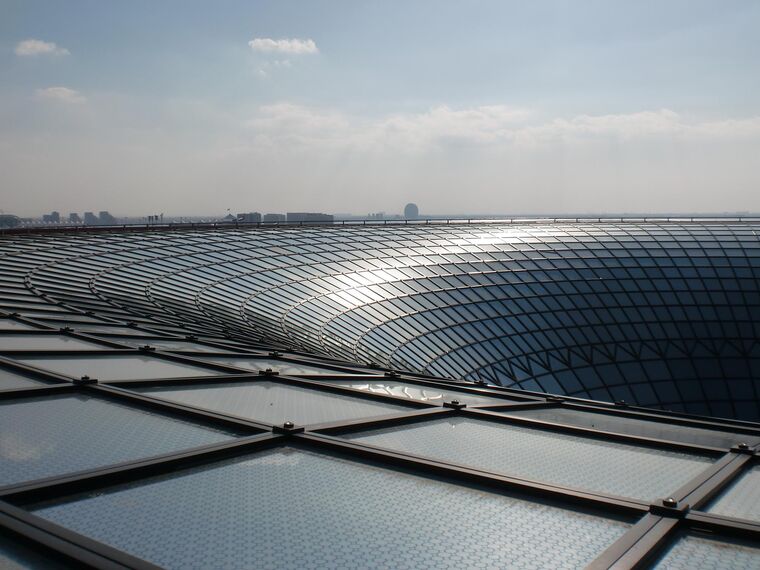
point(171, 226)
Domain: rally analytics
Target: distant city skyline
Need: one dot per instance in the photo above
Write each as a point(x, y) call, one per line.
point(542, 108)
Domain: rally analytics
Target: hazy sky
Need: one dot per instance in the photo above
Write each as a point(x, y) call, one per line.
point(345, 106)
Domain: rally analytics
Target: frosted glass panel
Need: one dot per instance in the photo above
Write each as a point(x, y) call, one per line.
point(420, 392)
point(585, 463)
point(41, 437)
point(132, 367)
point(641, 427)
point(742, 498)
point(288, 508)
point(697, 552)
point(275, 403)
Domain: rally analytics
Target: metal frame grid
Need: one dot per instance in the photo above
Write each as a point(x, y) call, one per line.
point(658, 522)
point(116, 331)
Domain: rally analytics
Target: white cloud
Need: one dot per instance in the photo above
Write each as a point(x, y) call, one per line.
point(439, 126)
point(61, 94)
point(32, 47)
point(444, 125)
point(293, 46)
point(489, 127)
point(264, 70)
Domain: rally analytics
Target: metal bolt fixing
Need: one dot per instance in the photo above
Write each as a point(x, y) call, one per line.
point(670, 502)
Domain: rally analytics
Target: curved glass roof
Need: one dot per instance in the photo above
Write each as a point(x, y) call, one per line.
point(328, 396)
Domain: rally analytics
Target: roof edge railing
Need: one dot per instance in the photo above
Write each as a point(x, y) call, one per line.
point(179, 226)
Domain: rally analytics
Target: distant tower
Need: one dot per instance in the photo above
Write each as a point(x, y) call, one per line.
point(411, 212)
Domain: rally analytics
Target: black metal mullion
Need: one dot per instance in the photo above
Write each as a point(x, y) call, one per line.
point(83, 335)
point(39, 326)
point(82, 551)
point(186, 380)
point(325, 386)
point(207, 360)
point(184, 410)
point(471, 389)
point(192, 361)
point(25, 369)
point(723, 525)
point(637, 545)
point(708, 483)
point(327, 364)
point(87, 352)
point(318, 386)
point(633, 551)
point(544, 425)
point(612, 504)
point(130, 471)
point(63, 331)
point(659, 416)
point(33, 391)
point(401, 418)
point(515, 405)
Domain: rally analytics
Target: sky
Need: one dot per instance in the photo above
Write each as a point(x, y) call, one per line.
point(490, 107)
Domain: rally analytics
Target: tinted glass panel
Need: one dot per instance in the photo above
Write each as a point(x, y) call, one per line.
point(117, 367)
point(742, 498)
point(275, 403)
point(420, 392)
point(630, 426)
point(298, 509)
point(563, 459)
point(693, 551)
point(44, 342)
point(41, 437)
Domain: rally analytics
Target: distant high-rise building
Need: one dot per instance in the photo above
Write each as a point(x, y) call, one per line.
point(47, 218)
point(74, 218)
point(411, 211)
point(249, 218)
point(55, 217)
point(308, 217)
point(106, 218)
point(9, 221)
point(275, 217)
point(91, 219)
